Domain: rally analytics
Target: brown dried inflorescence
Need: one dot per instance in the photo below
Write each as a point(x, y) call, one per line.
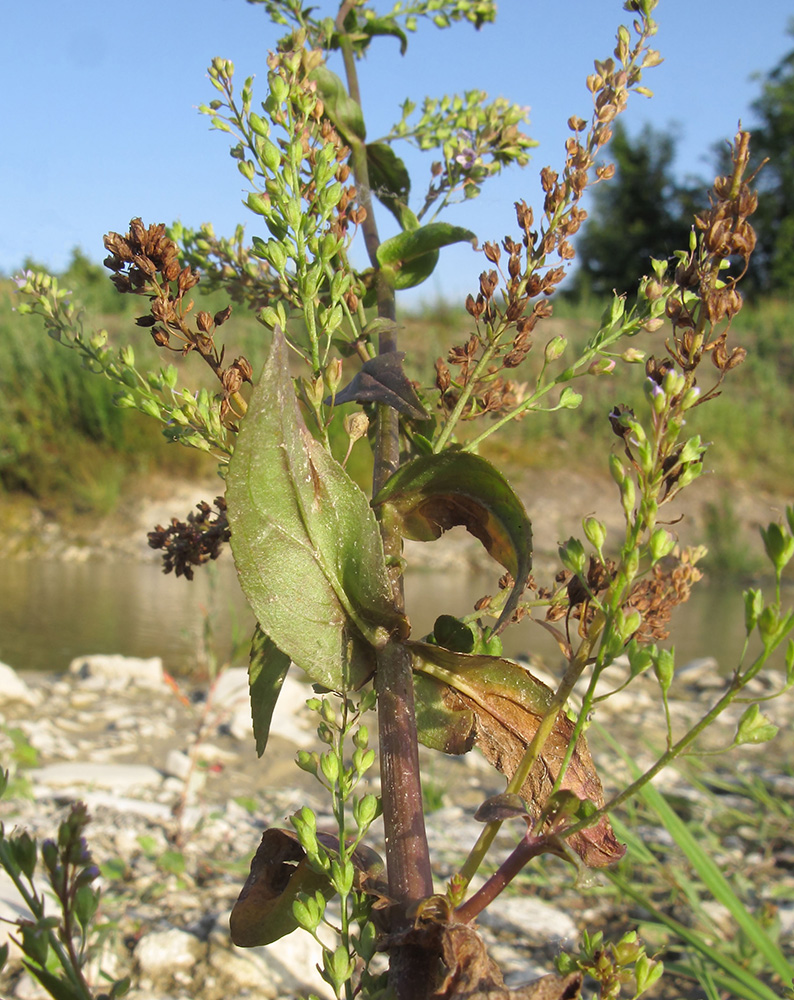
point(192, 542)
point(655, 597)
point(705, 293)
point(503, 327)
point(146, 262)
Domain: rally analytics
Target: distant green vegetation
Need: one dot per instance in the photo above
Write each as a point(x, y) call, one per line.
point(80, 453)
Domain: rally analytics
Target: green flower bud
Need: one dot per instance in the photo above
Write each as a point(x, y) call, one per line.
point(628, 949)
point(259, 125)
point(664, 668)
point(753, 606)
point(661, 544)
point(23, 849)
point(691, 396)
point(151, 408)
point(307, 761)
point(329, 764)
point(601, 366)
point(627, 496)
point(655, 396)
point(555, 348)
point(673, 383)
point(647, 971)
point(342, 876)
point(365, 811)
point(690, 474)
point(779, 546)
point(278, 87)
point(572, 556)
point(332, 376)
point(259, 203)
point(569, 400)
point(630, 625)
point(616, 469)
point(595, 532)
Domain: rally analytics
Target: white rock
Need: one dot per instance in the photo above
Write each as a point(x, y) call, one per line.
point(178, 764)
point(116, 777)
point(703, 672)
point(119, 671)
point(532, 918)
point(13, 688)
point(291, 719)
point(163, 953)
point(126, 805)
point(283, 969)
point(231, 688)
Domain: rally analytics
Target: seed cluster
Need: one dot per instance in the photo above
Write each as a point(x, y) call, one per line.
point(145, 261)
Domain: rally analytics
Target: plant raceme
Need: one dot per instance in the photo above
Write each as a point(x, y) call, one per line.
point(321, 561)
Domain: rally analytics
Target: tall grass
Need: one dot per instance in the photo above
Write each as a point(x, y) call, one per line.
point(63, 441)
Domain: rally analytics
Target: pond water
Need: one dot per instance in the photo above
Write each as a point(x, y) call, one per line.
point(53, 611)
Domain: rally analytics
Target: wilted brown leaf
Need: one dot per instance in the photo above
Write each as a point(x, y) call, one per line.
point(279, 871)
point(497, 705)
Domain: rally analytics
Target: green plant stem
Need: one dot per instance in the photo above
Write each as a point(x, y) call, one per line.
point(736, 685)
point(628, 330)
point(464, 397)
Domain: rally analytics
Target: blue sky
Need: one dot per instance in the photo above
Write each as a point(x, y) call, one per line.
point(100, 122)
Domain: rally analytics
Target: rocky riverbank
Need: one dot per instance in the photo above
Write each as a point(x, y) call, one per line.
point(179, 800)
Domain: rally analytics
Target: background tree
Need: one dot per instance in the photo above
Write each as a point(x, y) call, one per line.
point(643, 213)
point(772, 269)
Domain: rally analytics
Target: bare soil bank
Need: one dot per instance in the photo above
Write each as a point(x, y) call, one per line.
point(715, 512)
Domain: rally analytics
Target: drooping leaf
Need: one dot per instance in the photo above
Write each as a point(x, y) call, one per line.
point(390, 181)
point(433, 493)
point(386, 26)
point(344, 112)
point(410, 257)
point(503, 704)
point(305, 540)
point(267, 669)
point(280, 870)
point(418, 242)
point(382, 380)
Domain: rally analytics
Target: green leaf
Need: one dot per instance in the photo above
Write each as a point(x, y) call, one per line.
point(267, 669)
point(305, 541)
point(432, 493)
point(410, 257)
point(390, 181)
point(60, 989)
point(343, 111)
point(496, 705)
point(386, 26)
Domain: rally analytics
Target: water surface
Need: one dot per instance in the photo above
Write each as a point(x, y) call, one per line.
point(53, 611)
